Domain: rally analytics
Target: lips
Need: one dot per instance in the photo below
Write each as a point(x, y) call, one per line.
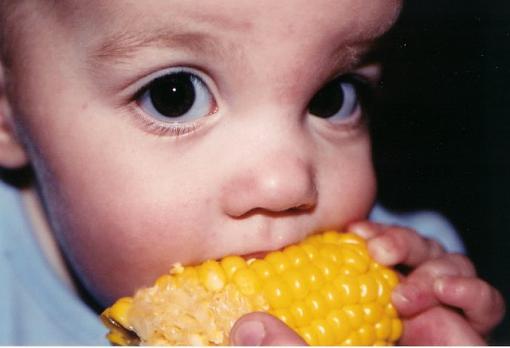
point(255, 255)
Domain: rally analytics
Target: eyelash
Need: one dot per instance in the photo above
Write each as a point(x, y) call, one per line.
point(365, 91)
point(154, 126)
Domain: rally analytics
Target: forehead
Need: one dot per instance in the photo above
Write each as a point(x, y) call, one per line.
point(349, 19)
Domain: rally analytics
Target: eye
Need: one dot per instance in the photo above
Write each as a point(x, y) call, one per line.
point(177, 97)
point(337, 101)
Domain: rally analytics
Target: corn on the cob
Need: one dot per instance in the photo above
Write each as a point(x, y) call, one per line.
point(326, 288)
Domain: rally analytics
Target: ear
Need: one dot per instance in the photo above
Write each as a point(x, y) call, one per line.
point(12, 152)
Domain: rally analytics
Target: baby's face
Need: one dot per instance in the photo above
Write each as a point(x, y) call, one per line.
point(178, 131)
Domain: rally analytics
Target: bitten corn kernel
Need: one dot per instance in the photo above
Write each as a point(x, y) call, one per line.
point(326, 288)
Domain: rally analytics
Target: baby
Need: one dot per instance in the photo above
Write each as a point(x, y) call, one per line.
point(178, 131)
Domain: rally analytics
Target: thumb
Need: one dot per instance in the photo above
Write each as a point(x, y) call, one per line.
point(262, 329)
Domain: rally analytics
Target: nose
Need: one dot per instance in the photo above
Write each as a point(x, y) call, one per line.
point(275, 182)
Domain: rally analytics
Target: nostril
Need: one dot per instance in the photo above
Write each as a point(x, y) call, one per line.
point(302, 207)
point(286, 186)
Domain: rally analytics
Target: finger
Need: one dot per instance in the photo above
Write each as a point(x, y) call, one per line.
point(482, 304)
point(399, 245)
point(447, 264)
point(365, 229)
point(416, 293)
point(261, 329)
point(439, 326)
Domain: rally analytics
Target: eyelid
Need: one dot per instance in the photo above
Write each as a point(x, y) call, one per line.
point(154, 126)
point(371, 73)
point(365, 80)
point(136, 89)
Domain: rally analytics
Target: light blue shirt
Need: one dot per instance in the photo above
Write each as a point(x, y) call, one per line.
point(428, 223)
point(37, 308)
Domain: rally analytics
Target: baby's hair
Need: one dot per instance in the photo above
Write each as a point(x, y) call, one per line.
point(13, 21)
point(6, 9)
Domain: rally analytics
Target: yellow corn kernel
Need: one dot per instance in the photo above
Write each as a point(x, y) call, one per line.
point(351, 239)
point(313, 276)
point(309, 334)
point(332, 237)
point(396, 329)
point(355, 315)
point(263, 268)
point(354, 259)
point(390, 310)
point(298, 284)
point(119, 311)
point(301, 313)
point(311, 251)
point(212, 275)
point(373, 312)
point(116, 338)
point(328, 269)
point(326, 288)
point(296, 255)
point(325, 333)
point(366, 334)
point(349, 288)
point(331, 253)
point(247, 281)
point(383, 289)
point(278, 293)
point(317, 305)
point(284, 315)
point(184, 275)
point(279, 260)
point(231, 264)
point(390, 276)
point(331, 295)
point(368, 287)
point(352, 340)
point(383, 328)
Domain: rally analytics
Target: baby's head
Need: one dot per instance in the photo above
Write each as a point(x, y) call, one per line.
point(176, 131)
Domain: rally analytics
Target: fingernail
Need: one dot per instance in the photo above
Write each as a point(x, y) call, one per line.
point(250, 333)
point(362, 230)
point(403, 294)
point(439, 285)
point(382, 251)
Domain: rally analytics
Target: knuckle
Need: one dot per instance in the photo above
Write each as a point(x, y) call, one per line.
point(399, 237)
point(463, 264)
point(396, 244)
point(435, 248)
point(440, 266)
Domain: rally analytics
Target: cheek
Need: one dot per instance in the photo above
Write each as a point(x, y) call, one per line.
point(347, 184)
point(122, 239)
point(124, 223)
point(123, 207)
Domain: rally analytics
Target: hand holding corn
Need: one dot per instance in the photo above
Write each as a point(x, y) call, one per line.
point(326, 288)
point(441, 300)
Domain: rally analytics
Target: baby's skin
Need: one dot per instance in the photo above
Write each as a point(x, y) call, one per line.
point(166, 131)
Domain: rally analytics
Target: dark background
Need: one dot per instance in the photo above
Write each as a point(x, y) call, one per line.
point(442, 133)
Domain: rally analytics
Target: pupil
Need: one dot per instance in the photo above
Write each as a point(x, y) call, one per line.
point(173, 95)
point(328, 101)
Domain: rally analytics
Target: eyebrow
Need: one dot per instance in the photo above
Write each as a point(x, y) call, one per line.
point(123, 45)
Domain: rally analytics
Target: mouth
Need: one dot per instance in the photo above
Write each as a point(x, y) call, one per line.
point(255, 255)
